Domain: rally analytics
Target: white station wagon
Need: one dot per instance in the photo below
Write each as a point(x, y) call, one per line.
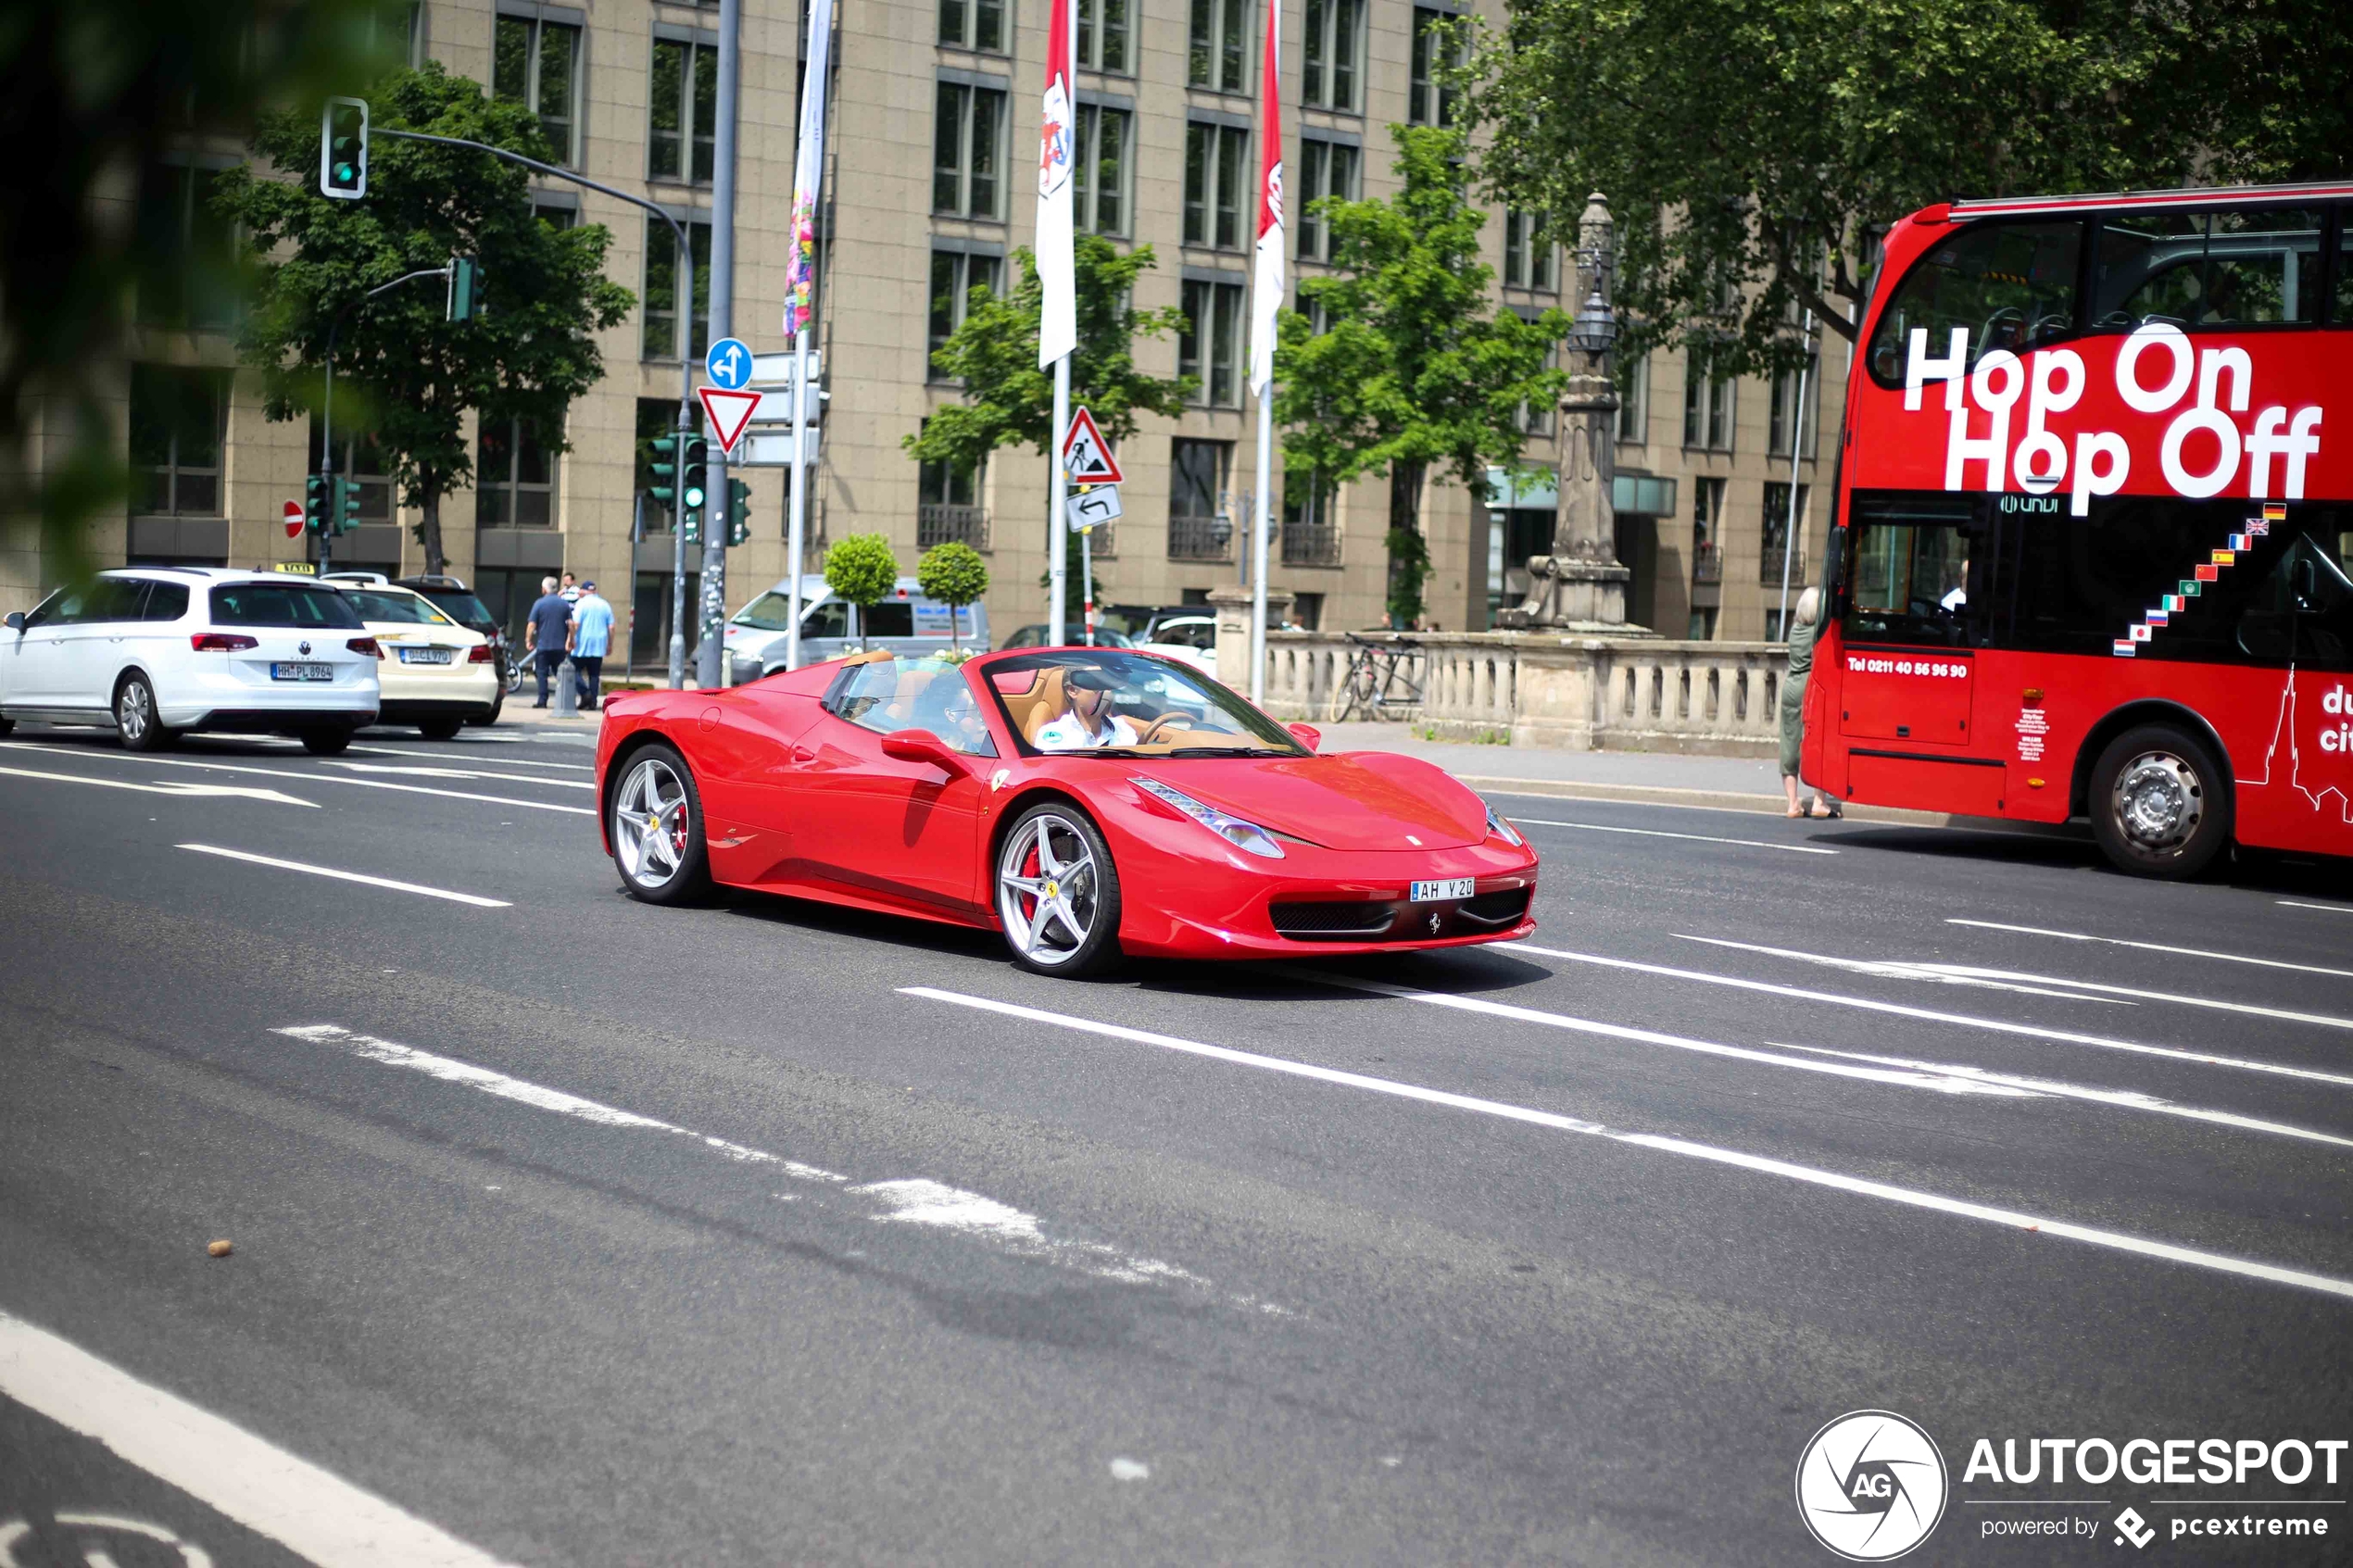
point(153, 652)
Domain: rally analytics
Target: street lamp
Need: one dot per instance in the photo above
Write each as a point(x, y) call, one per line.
point(1595, 328)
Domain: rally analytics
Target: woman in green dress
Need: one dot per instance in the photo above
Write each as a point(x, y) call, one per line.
point(1804, 628)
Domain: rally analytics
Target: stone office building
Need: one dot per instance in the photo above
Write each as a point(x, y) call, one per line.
point(929, 192)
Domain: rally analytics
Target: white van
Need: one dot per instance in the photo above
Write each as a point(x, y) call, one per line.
point(906, 623)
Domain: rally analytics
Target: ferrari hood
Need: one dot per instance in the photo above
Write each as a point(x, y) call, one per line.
point(1356, 801)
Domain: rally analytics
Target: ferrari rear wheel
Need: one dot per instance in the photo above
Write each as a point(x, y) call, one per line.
point(656, 823)
point(1058, 893)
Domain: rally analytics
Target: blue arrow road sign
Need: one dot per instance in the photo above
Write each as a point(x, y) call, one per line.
point(729, 364)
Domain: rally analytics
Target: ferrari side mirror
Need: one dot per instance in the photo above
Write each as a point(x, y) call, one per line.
point(921, 746)
point(1307, 735)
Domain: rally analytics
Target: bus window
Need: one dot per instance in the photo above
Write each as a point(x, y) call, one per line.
point(1911, 578)
point(2009, 285)
point(2343, 315)
point(2205, 270)
point(2302, 610)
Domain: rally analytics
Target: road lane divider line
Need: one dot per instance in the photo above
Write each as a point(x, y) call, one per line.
point(1899, 1071)
point(2152, 947)
point(2012, 1219)
point(1931, 1015)
point(479, 903)
point(181, 791)
point(460, 773)
point(1971, 974)
point(456, 757)
point(1694, 837)
point(907, 1200)
point(2298, 904)
point(1932, 974)
point(144, 759)
point(312, 1512)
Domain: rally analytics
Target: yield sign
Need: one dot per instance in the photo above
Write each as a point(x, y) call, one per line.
point(729, 413)
point(293, 519)
point(1087, 458)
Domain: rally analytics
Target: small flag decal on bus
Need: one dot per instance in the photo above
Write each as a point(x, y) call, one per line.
point(2242, 541)
point(2157, 617)
point(2168, 605)
point(2191, 587)
point(2224, 558)
point(2142, 634)
point(2177, 601)
point(2274, 512)
point(2209, 573)
point(2125, 648)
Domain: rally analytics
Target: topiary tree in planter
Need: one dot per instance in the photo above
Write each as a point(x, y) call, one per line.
point(861, 569)
point(953, 573)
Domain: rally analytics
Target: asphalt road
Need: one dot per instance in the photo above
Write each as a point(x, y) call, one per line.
point(577, 1232)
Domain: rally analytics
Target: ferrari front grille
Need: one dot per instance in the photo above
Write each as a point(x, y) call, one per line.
point(1504, 908)
point(1333, 922)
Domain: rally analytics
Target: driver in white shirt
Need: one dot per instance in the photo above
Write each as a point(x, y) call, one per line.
point(1088, 721)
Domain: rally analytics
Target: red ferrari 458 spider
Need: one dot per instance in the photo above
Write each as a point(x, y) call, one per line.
point(1085, 802)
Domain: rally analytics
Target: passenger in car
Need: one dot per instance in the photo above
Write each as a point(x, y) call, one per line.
point(1085, 721)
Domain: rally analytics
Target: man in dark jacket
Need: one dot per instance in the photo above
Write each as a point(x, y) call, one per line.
point(546, 631)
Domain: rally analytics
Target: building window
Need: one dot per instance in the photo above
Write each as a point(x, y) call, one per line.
point(1528, 252)
point(1429, 102)
point(1215, 184)
point(1219, 53)
point(1777, 535)
point(1329, 76)
point(947, 508)
point(973, 24)
point(191, 252)
point(662, 292)
point(1209, 345)
point(1702, 625)
point(514, 477)
point(1102, 36)
point(1707, 404)
point(1311, 523)
point(1707, 518)
point(357, 457)
point(1326, 168)
point(1196, 491)
point(1632, 374)
point(1536, 419)
point(1785, 420)
point(556, 214)
point(1105, 136)
point(179, 427)
point(537, 64)
point(968, 150)
point(686, 79)
point(954, 275)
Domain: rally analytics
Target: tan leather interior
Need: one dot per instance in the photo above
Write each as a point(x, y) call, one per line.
point(1045, 700)
point(911, 686)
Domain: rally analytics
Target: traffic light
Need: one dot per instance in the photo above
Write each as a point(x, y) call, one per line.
point(739, 513)
point(679, 491)
point(347, 508)
point(315, 506)
point(465, 288)
point(343, 149)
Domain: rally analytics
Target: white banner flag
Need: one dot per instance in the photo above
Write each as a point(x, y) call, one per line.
point(1266, 292)
point(801, 269)
point(1057, 137)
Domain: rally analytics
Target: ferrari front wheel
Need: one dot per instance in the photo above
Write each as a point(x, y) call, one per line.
point(1058, 892)
point(656, 823)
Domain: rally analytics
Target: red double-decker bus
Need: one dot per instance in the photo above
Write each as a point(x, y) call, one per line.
point(2094, 548)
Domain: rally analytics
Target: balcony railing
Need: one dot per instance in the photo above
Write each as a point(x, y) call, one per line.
point(1310, 543)
point(1707, 563)
point(936, 523)
point(1200, 538)
point(1769, 570)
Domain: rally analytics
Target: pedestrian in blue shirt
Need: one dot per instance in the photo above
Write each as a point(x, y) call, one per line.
point(591, 637)
point(549, 628)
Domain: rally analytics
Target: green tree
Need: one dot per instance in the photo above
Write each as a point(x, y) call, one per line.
point(1007, 400)
point(862, 568)
point(403, 373)
point(953, 573)
point(1414, 371)
point(1754, 150)
point(91, 90)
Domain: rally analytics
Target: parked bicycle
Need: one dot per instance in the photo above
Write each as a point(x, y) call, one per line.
point(1378, 678)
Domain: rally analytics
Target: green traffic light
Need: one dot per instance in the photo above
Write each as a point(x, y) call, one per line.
point(694, 497)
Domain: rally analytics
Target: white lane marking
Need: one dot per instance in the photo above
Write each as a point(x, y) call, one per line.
point(1998, 1025)
point(1911, 1197)
point(914, 1200)
point(459, 756)
point(1130, 1470)
point(1696, 838)
point(313, 778)
point(460, 773)
point(1934, 974)
point(2129, 1099)
point(350, 876)
point(315, 1515)
point(1908, 1077)
point(2154, 947)
point(2332, 908)
point(1968, 974)
point(184, 791)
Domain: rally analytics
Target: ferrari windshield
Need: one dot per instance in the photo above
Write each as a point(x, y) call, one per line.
point(1111, 703)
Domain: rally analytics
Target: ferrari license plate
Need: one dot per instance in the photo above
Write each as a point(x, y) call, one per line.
point(1440, 892)
point(302, 671)
point(425, 656)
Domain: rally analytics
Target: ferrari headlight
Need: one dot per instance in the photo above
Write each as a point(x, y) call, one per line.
point(1232, 829)
point(1501, 828)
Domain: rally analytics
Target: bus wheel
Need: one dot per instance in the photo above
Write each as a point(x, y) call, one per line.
point(2160, 803)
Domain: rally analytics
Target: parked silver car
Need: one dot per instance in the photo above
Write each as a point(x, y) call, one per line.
point(907, 623)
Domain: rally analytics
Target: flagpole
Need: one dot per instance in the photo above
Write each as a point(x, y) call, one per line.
point(1058, 509)
point(797, 532)
point(1267, 300)
point(800, 279)
point(1258, 546)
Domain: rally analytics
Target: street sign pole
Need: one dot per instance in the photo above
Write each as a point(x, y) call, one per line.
point(1086, 578)
point(711, 666)
point(1058, 546)
point(1258, 528)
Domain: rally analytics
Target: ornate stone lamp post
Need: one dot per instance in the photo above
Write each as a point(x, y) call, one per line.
point(1580, 586)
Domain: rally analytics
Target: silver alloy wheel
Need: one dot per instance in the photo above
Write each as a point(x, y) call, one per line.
point(133, 712)
point(2158, 801)
point(1047, 888)
point(650, 823)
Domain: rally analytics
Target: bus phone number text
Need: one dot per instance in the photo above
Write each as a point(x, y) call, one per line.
point(1860, 664)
